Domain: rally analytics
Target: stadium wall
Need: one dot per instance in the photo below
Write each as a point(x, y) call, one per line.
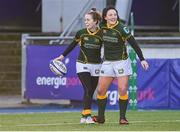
point(58, 14)
point(158, 87)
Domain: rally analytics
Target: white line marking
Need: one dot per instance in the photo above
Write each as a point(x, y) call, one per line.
point(66, 123)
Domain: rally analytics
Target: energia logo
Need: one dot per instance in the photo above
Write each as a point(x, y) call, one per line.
point(51, 81)
point(56, 82)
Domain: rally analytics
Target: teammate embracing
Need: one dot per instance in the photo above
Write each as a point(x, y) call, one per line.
point(116, 62)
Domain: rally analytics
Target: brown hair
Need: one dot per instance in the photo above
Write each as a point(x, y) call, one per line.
point(96, 15)
point(104, 13)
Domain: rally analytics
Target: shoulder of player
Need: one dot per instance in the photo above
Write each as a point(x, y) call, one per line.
point(82, 31)
point(102, 25)
point(123, 27)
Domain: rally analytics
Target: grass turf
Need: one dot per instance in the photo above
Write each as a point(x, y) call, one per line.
point(69, 121)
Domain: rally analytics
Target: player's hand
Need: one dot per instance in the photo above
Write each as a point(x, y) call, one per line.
point(144, 64)
point(61, 57)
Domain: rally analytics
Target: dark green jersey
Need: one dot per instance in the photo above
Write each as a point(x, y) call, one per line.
point(90, 46)
point(114, 41)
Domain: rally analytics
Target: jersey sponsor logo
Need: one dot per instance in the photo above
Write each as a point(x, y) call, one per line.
point(86, 38)
point(126, 30)
point(114, 33)
point(91, 46)
point(104, 31)
point(110, 39)
point(96, 40)
point(120, 71)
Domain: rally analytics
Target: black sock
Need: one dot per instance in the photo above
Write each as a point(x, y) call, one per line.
point(123, 107)
point(101, 107)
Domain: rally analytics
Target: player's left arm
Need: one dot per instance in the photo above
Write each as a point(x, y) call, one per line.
point(136, 47)
point(127, 35)
point(138, 51)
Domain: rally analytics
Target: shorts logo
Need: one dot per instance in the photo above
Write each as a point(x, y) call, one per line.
point(85, 68)
point(121, 71)
point(102, 71)
point(97, 71)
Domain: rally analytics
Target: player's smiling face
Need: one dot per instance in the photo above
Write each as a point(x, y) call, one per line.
point(89, 22)
point(111, 17)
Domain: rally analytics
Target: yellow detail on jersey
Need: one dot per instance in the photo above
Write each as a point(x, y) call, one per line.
point(96, 40)
point(86, 62)
point(85, 57)
point(79, 43)
point(124, 55)
point(112, 26)
point(128, 36)
point(93, 32)
point(77, 40)
point(123, 38)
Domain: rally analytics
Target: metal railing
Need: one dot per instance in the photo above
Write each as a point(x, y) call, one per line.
point(74, 22)
point(71, 37)
point(158, 38)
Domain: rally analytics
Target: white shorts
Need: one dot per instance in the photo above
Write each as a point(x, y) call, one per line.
point(116, 68)
point(93, 69)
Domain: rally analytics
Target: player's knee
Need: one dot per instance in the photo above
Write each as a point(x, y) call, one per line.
point(102, 92)
point(122, 91)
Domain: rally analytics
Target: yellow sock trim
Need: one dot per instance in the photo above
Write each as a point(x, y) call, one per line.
point(124, 97)
point(86, 112)
point(101, 97)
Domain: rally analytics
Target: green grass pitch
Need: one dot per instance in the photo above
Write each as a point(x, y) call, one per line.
point(160, 120)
